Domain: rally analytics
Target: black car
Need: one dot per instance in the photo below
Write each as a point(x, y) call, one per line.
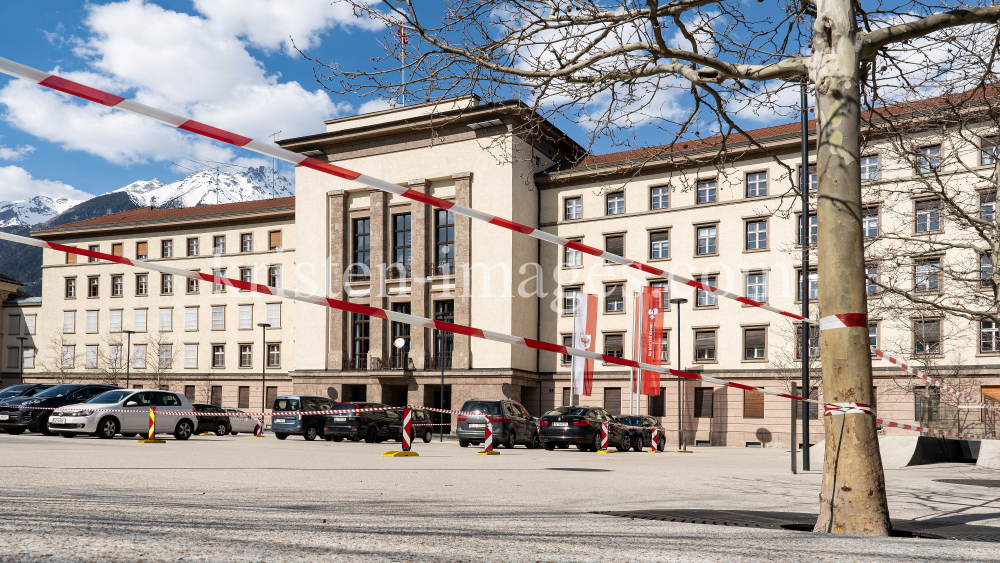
point(581, 426)
point(511, 424)
point(374, 426)
point(16, 416)
point(212, 419)
point(641, 431)
point(22, 390)
point(420, 425)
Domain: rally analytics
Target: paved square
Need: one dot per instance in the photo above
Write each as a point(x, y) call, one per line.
point(239, 498)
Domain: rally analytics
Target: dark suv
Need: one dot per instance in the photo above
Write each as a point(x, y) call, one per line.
point(285, 417)
point(582, 426)
point(641, 431)
point(22, 390)
point(511, 424)
point(211, 419)
point(373, 426)
point(16, 417)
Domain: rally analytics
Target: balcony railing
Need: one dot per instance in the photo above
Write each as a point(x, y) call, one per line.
point(435, 362)
point(400, 362)
point(355, 364)
point(445, 268)
point(398, 272)
point(359, 273)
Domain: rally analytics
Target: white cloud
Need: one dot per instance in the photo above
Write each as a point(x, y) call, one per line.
point(16, 153)
point(16, 184)
point(374, 105)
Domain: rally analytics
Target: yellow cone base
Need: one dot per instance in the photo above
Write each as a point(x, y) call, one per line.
point(256, 436)
point(655, 451)
point(397, 453)
point(148, 441)
point(494, 452)
point(605, 451)
point(685, 452)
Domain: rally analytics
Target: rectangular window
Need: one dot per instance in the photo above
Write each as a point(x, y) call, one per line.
point(703, 398)
point(142, 284)
point(400, 331)
point(813, 285)
point(274, 315)
point(988, 205)
point(246, 355)
point(753, 404)
point(444, 343)
point(989, 337)
point(573, 208)
point(757, 184)
point(70, 288)
point(614, 244)
point(813, 342)
point(190, 355)
point(167, 284)
point(871, 279)
point(869, 222)
point(614, 345)
point(359, 340)
point(140, 320)
point(985, 270)
point(117, 286)
point(757, 287)
point(567, 341)
point(90, 357)
point(166, 358)
point(927, 337)
point(189, 392)
point(29, 357)
point(270, 394)
point(70, 258)
point(666, 292)
point(93, 287)
point(115, 356)
point(94, 248)
point(192, 247)
point(869, 168)
point(139, 356)
point(659, 197)
point(246, 275)
point(218, 287)
point(990, 150)
point(926, 404)
point(274, 276)
point(659, 245)
point(754, 343)
point(445, 237)
point(706, 240)
point(117, 249)
point(873, 337)
point(401, 245)
point(192, 285)
point(361, 249)
point(29, 324)
point(274, 240)
point(141, 250)
point(92, 321)
point(273, 355)
point(572, 257)
point(243, 398)
point(655, 403)
point(813, 229)
point(246, 242)
point(927, 216)
point(14, 324)
point(929, 159)
point(665, 348)
point(166, 320)
point(218, 356)
point(190, 318)
point(704, 346)
point(571, 297)
point(706, 191)
point(613, 400)
point(116, 320)
point(167, 249)
point(756, 235)
point(219, 318)
point(12, 357)
point(616, 203)
point(706, 298)
point(246, 316)
point(69, 322)
point(615, 298)
point(927, 276)
point(219, 244)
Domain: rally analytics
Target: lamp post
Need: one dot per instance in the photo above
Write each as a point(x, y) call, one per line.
point(398, 344)
point(128, 355)
point(441, 339)
point(678, 301)
point(20, 364)
point(263, 371)
point(804, 189)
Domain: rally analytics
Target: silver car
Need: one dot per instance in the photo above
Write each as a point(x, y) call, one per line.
point(240, 421)
point(126, 412)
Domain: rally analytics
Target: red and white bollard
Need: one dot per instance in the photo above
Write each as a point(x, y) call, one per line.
point(258, 429)
point(604, 436)
point(654, 447)
point(407, 430)
point(488, 438)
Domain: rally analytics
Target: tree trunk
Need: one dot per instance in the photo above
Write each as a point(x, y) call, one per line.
point(852, 500)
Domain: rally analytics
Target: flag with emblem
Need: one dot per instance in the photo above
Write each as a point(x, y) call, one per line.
point(652, 337)
point(585, 337)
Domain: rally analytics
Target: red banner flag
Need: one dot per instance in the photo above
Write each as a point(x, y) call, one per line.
point(652, 337)
point(584, 336)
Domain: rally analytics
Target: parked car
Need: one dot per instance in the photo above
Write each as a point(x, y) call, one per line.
point(511, 424)
point(211, 419)
point(98, 417)
point(22, 390)
point(581, 426)
point(240, 422)
point(374, 426)
point(32, 413)
point(420, 425)
point(641, 431)
point(286, 419)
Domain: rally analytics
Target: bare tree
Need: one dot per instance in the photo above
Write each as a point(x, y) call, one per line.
point(625, 67)
point(111, 357)
point(162, 355)
point(61, 359)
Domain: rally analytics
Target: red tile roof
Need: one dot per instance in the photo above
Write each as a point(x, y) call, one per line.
point(144, 214)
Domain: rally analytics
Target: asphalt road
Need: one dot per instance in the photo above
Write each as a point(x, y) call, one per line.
point(240, 498)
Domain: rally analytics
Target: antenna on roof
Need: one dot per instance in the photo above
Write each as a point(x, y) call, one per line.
point(273, 165)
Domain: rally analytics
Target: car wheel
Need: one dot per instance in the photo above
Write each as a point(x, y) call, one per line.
point(534, 443)
point(220, 429)
point(549, 446)
point(371, 435)
point(129, 435)
point(427, 436)
point(280, 435)
point(43, 427)
point(596, 445)
point(463, 444)
point(638, 443)
point(233, 433)
point(626, 444)
point(107, 428)
point(338, 438)
point(68, 435)
point(511, 440)
point(310, 433)
point(183, 430)
point(662, 444)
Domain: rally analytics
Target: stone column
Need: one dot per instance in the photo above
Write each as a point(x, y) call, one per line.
point(338, 258)
point(379, 328)
point(420, 342)
point(462, 357)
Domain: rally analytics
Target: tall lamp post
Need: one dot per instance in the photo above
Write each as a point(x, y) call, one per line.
point(804, 189)
point(263, 372)
point(20, 364)
point(678, 301)
point(444, 343)
point(128, 355)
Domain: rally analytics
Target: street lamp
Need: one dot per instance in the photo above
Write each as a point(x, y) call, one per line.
point(804, 189)
point(20, 364)
point(444, 343)
point(128, 355)
point(680, 424)
point(263, 372)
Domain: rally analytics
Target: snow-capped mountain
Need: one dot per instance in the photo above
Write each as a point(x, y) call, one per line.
point(29, 212)
point(208, 187)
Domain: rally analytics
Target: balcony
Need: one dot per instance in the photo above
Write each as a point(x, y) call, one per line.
point(439, 362)
point(445, 268)
point(355, 364)
point(400, 362)
point(398, 272)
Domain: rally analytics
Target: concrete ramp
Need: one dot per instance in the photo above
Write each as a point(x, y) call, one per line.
point(904, 451)
point(989, 455)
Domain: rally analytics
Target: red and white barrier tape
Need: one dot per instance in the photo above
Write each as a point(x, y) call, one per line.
point(917, 373)
point(833, 409)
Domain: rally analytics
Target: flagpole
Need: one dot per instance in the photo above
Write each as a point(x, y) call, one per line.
point(635, 339)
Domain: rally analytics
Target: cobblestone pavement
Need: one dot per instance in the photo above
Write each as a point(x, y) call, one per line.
point(239, 498)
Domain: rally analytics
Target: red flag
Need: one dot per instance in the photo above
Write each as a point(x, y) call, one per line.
point(652, 337)
point(404, 37)
point(584, 336)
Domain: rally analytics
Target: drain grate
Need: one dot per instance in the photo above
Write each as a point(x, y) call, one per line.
point(993, 483)
point(802, 522)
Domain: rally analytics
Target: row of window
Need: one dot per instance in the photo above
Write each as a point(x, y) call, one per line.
point(14, 324)
point(753, 402)
point(164, 356)
point(166, 319)
point(166, 285)
point(402, 230)
point(214, 396)
point(193, 247)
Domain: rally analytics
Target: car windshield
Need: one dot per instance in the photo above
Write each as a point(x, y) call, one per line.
point(568, 411)
point(33, 392)
point(110, 397)
point(490, 408)
point(286, 405)
point(344, 407)
point(58, 391)
point(13, 391)
point(632, 421)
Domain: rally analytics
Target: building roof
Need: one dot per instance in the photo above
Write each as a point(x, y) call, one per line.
point(152, 214)
point(7, 279)
point(21, 298)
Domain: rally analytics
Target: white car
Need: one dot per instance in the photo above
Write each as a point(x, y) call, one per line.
point(240, 422)
point(126, 412)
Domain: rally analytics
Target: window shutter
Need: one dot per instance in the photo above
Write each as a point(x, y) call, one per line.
point(928, 204)
point(116, 249)
point(613, 400)
point(275, 239)
point(614, 293)
point(141, 249)
point(615, 244)
point(659, 236)
point(753, 404)
point(704, 340)
point(613, 342)
point(755, 337)
point(70, 258)
point(987, 197)
point(703, 402)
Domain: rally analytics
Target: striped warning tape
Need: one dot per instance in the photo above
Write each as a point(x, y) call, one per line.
point(940, 385)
